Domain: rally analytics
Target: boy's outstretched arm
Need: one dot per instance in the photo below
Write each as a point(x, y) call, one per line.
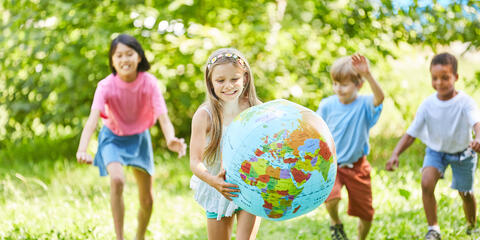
point(475, 144)
point(402, 145)
point(360, 65)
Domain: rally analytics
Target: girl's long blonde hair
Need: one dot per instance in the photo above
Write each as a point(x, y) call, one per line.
point(224, 56)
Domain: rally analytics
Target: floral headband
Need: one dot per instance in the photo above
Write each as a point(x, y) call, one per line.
point(227, 55)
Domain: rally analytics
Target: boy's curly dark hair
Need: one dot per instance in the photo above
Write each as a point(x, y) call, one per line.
point(445, 59)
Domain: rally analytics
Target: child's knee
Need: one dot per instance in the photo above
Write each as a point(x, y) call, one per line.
point(332, 202)
point(117, 182)
point(428, 186)
point(146, 201)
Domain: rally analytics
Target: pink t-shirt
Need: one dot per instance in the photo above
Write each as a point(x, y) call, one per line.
point(129, 108)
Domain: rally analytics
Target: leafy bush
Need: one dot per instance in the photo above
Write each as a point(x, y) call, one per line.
point(54, 52)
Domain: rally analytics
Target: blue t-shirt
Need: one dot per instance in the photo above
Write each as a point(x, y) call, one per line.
point(350, 125)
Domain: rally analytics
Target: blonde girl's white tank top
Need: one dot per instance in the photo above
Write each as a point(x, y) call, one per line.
point(207, 196)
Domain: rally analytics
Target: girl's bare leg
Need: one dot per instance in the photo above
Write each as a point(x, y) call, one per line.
point(145, 194)
point(220, 230)
point(117, 182)
point(247, 225)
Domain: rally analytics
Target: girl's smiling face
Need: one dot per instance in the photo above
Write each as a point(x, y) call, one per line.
point(228, 81)
point(125, 60)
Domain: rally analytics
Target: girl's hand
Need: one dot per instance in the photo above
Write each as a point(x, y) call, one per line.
point(177, 145)
point(360, 64)
point(226, 189)
point(84, 157)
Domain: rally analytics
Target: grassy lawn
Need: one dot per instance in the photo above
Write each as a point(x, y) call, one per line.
point(59, 199)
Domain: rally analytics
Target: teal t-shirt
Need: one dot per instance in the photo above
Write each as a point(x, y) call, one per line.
point(350, 125)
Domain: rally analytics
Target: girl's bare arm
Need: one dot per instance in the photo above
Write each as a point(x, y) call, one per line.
point(173, 143)
point(198, 143)
point(90, 126)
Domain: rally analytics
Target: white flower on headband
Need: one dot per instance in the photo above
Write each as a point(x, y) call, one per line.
point(229, 55)
point(214, 59)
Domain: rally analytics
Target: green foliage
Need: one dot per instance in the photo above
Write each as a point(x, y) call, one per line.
point(54, 52)
point(404, 193)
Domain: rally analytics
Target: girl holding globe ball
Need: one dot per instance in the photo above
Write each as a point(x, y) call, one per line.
point(230, 90)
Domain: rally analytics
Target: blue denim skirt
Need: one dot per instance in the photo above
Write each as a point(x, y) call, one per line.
point(133, 150)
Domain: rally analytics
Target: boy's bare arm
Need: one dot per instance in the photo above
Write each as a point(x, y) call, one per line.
point(402, 145)
point(361, 66)
point(378, 95)
point(475, 144)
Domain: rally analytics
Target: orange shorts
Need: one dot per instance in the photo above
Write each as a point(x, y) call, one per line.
point(358, 183)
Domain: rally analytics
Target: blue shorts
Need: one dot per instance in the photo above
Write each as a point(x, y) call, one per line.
point(463, 171)
point(214, 215)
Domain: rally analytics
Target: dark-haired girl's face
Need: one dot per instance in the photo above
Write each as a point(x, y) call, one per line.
point(125, 60)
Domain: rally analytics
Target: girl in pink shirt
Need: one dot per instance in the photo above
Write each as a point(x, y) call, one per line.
point(129, 103)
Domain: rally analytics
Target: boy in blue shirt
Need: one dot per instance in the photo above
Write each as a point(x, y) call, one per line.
point(349, 117)
point(444, 122)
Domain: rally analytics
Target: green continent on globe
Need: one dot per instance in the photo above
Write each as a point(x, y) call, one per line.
point(301, 152)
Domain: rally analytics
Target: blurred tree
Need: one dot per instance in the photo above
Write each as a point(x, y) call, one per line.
point(53, 52)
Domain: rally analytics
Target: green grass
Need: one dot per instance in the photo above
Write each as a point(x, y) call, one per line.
point(45, 194)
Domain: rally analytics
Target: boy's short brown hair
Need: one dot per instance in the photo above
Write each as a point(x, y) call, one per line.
point(445, 59)
point(342, 69)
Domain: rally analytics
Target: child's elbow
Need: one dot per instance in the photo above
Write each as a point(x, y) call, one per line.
point(381, 98)
point(378, 100)
point(192, 168)
point(193, 165)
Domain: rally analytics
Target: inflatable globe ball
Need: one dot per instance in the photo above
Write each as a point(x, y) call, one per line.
point(282, 157)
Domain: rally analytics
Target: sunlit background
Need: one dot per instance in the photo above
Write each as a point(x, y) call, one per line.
point(54, 52)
